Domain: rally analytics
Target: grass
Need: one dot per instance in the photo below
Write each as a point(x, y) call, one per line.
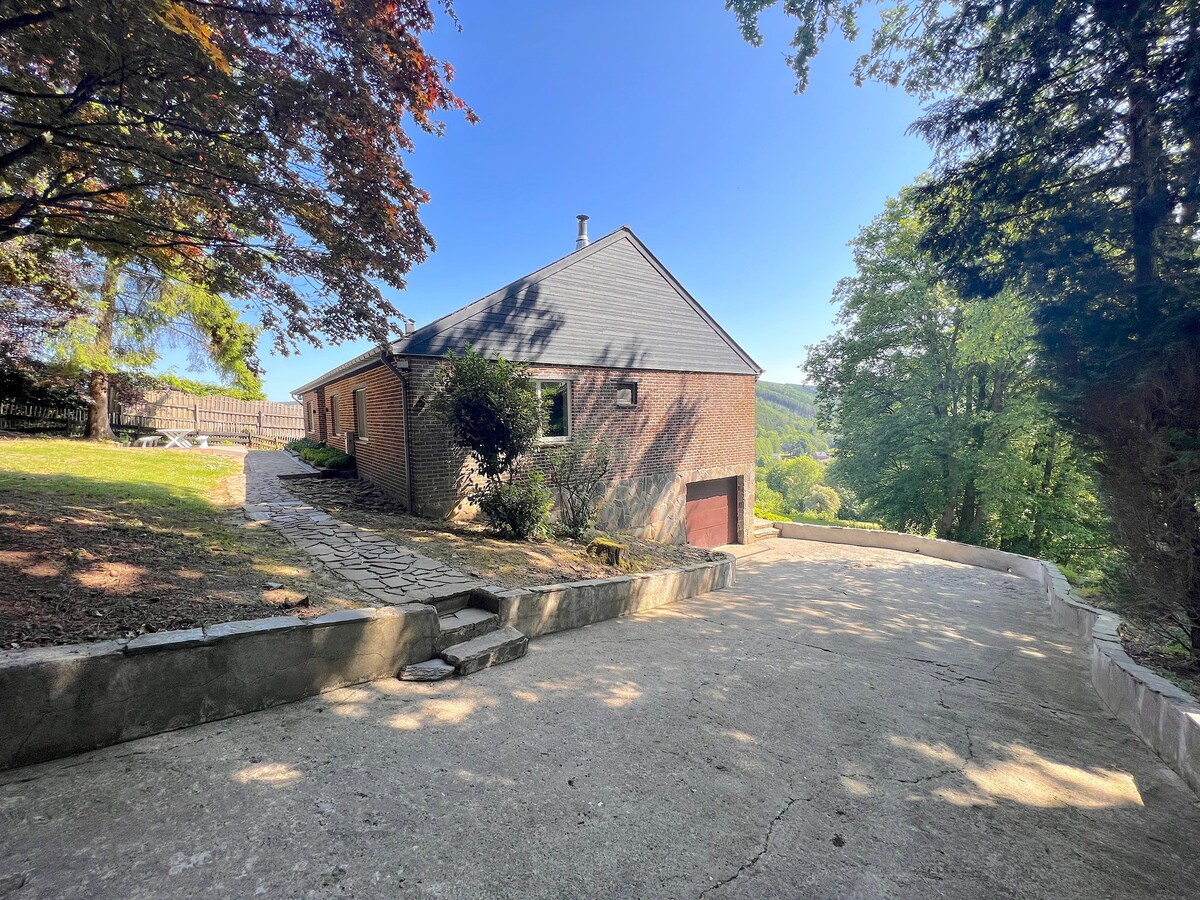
point(98, 541)
point(77, 468)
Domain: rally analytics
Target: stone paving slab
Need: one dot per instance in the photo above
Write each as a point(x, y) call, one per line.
point(385, 571)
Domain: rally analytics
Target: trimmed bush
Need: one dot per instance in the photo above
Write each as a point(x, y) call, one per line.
point(302, 444)
point(326, 457)
point(517, 508)
point(812, 519)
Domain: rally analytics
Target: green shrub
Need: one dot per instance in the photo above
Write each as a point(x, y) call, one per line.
point(576, 470)
point(825, 519)
point(302, 444)
point(326, 457)
point(491, 407)
point(517, 508)
point(769, 503)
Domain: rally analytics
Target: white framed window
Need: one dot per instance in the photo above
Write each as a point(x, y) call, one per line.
point(312, 417)
point(555, 397)
point(360, 414)
point(335, 415)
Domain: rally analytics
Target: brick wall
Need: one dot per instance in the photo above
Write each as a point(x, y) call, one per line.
point(687, 425)
point(380, 456)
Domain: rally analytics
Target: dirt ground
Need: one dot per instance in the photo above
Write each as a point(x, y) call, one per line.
point(1170, 661)
point(90, 564)
point(473, 549)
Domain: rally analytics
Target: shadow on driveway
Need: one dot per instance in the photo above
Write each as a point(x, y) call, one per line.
point(844, 722)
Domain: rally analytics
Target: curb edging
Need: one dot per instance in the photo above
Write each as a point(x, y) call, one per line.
point(551, 608)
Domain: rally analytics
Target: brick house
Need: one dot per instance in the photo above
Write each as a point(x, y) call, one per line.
point(619, 350)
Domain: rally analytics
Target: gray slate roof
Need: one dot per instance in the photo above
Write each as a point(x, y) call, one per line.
point(610, 304)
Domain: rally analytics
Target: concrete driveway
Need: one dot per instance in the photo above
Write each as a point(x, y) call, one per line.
point(844, 723)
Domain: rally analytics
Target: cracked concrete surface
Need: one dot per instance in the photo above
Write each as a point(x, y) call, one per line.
point(843, 723)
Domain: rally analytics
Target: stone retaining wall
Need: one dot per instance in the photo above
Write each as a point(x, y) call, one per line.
point(57, 701)
point(968, 554)
point(62, 700)
point(559, 607)
point(1165, 717)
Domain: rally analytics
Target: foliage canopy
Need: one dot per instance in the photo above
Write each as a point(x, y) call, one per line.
point(940, 410)
point(1067, 135)
point(248, 146)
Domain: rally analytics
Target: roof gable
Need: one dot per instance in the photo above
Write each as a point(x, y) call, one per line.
point(610, 304)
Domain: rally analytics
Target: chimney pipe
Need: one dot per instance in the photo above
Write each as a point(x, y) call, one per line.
point(582, 240)
point(409, 327)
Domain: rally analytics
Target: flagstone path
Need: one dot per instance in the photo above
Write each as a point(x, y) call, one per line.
point(388, 572)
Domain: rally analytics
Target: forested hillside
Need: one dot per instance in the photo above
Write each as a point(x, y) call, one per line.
point(785, 422)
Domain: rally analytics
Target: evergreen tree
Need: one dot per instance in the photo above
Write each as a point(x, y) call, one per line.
point(129, 315)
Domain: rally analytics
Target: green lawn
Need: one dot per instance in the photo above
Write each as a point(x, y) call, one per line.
point(99, 541)
point(190, 476)
point(161, 483)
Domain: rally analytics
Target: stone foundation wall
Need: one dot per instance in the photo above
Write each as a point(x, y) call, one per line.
point(654, 507)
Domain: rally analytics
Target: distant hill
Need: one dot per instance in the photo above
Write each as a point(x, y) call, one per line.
point(785, 421)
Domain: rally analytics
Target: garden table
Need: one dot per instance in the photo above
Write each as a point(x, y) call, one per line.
point(176, 437)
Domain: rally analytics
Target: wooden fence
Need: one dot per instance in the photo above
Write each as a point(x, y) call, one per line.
point(261, 423)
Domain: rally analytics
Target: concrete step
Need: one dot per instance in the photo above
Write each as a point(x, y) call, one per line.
point(464, 625)
point(450, 602)
point(430, 670)
point(764, 529)
point(500, 646)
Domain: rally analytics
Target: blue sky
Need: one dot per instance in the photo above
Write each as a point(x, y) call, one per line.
point(659, 116)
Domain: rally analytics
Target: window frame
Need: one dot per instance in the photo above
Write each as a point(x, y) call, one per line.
point(544, 438)
point(312, 417)
point(360, 420)
point(626, 384)
point(335, 417)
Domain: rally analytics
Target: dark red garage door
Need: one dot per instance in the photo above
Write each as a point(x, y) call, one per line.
point(712, 512)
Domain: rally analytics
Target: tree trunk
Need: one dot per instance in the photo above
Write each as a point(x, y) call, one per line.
point(1039, 518)
point(1149, 198)
point(98, 426)
point(966, 516)
point(945, 529)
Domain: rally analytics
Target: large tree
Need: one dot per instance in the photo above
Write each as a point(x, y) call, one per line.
point(939, 409)
point(129, 314)
point(254, 147)
point(1068, 142)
